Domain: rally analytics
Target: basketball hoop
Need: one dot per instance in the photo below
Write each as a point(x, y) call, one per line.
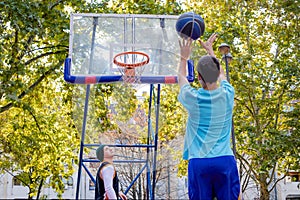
point(131, 65)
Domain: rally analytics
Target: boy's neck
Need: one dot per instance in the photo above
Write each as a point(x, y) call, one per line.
point(210, 86)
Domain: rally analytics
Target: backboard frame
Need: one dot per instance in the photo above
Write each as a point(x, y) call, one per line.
point(95, 78)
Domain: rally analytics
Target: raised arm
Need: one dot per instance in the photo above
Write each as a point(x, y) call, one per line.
point(185, 51)
point(208, 46)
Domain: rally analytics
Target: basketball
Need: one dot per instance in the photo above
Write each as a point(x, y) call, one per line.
point(190, 25)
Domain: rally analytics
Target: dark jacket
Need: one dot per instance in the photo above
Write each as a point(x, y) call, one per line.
point(99, 189)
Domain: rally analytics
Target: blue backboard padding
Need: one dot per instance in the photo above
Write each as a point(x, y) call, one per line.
point(87, 79)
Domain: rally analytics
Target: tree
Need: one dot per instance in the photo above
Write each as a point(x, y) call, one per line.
point(36, 105)
point(34, 142)
point(35, 108)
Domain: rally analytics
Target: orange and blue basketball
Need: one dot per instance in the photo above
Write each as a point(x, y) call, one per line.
point(190, 25)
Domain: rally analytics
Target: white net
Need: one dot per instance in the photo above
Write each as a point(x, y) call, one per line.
point(131, 65)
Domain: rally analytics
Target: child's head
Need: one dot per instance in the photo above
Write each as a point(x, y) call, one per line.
point(208, 69)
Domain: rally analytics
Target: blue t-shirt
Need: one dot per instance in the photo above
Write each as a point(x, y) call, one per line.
point(209, 121)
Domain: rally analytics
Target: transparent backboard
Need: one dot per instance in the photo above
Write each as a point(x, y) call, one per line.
point(95, 39)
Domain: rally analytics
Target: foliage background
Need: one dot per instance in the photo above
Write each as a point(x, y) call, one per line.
point(40, 133)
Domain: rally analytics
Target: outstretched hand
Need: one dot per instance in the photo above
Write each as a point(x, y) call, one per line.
point(208, 45)
point(185, 52)
point(122, 195)
point(185, 48)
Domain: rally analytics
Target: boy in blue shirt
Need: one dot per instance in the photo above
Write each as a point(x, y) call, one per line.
point(212, 168)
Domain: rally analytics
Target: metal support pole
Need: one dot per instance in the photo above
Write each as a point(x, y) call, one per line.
point(86, 105)
point(224, 49)
point(148, 185)
point(232, 124)
point(82, 139)
point(227, 68)
point(155, 141)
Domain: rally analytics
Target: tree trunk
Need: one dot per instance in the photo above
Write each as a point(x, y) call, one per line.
point(264, 192)
point(40, 188)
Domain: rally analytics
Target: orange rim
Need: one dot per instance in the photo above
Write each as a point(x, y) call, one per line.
point(131, 65)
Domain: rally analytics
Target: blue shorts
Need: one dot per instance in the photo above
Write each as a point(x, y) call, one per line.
point(213, 177)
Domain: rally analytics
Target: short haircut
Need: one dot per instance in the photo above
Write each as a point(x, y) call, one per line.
point(209, 68)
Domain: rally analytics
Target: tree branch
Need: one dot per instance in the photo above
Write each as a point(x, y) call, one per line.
point(49, 47)
point(55, 4)
point(250, 111)
point(42, 55)
point(249, 165)
point(30, 39)
point(39, 80)
point(17, 177)
point(278, 105)
point(35, 120)
point(275, 183)
point(272, 174)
